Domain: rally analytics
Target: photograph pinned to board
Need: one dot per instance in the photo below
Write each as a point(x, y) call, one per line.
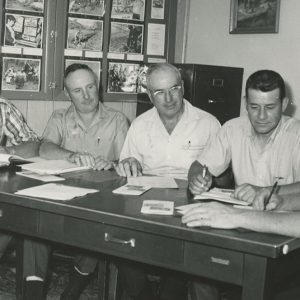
point(126, 38)
point(122, 77)
point(84, 34)
point(21, 74)
point(129, 10)
point(87, 7)
point(23, 31)
point(156, 39)
point(25, 5)
point(254, 16)
point(158, 9)
point(141, 83)
point(93, 64)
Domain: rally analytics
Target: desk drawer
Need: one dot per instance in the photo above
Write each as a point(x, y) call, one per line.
point(22, 219)
point(216, 263)
point(136, 245)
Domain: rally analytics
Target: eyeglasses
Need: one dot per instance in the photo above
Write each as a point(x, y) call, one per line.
point(173, 92)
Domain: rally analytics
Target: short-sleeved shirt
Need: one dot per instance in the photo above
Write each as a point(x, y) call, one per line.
point(104, 136)
point(236, 144)
point(13, 125)
point(165, 154)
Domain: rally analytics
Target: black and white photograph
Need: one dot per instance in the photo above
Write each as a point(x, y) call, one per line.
point(126, 38)
point(94, 65)
point(122, 77)
point(142, 84)
point(157, 9)
point(21, 74)
point(23, 31)
point(128, 9)
point(87, 7)
point(254, 16)
point(84, 34)
point(25, 5)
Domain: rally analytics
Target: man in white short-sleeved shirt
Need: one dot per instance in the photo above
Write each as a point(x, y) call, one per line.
point(163, 141)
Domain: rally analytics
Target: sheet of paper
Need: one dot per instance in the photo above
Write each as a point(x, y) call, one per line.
point(53, 167)
point(157, 207)
point(131, 189)
point(153, 181)
point(41, 177)
point(222, 195)
point(156, 39)
point(55, 191)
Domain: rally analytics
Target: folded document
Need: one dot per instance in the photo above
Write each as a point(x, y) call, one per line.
point(223, 195)
point(157, 207)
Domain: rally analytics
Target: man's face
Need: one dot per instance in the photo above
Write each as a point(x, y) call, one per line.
point(82, 88)
point(166, 93)
point(265, 110)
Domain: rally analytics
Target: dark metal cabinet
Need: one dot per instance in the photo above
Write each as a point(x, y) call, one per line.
point(215, 89)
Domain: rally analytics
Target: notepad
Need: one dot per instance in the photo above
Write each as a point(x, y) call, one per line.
point(129, 189)
point(153, 181)
point(223, 195)
point(55, 191)
point(53, 167)
point(157, 207)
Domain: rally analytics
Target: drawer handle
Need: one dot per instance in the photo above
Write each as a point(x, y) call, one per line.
point(211, 101)
point(220, 261)
point(109, 238)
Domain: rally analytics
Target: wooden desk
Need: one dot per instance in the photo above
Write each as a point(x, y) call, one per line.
point(112, 224)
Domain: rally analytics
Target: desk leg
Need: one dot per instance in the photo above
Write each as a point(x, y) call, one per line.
point(113, 279)
point(102, 278)
point(255, 283)
point(19, 268)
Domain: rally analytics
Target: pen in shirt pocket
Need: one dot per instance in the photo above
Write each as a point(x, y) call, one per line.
point(98, 140)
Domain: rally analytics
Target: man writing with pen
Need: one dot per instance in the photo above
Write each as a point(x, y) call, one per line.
point(262, 149)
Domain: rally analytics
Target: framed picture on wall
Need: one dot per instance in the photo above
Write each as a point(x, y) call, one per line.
point(254, 16)
point(84, 34)
point(122, 77)
point(87, 7)
point(21, 74)
point(130, 9)
point(28, 5)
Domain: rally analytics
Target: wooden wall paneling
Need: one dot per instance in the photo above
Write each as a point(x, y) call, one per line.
point(38, 115)
point(61, 104)
point(129, 110)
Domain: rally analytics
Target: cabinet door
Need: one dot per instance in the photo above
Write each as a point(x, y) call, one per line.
point(217, 90)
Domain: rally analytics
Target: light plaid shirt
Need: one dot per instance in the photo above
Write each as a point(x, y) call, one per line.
point(13, 125)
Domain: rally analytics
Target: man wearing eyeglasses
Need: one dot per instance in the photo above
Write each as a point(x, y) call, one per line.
point(163, 141)
point(166, 139)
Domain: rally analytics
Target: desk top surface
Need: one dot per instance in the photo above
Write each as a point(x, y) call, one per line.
point(124, 211)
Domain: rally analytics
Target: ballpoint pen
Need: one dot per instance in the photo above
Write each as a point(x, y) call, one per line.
point(204, 171)
point(266, 201)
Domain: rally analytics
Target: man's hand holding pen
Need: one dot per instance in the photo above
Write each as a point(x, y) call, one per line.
point(200, 182)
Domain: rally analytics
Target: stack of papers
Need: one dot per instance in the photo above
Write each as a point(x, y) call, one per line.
point(157, 207)
point(129, 189)
point(223, 195)
point(53, 167)
point(55, 191)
